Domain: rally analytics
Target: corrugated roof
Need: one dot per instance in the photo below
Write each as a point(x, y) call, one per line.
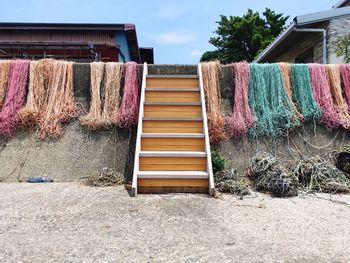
point(340, 3)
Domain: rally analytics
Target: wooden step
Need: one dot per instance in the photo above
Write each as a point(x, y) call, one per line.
point(172, 161)
point(160, 186)
point(173, 95)
point(173, 175)
point(172, 110)
point(172, 142)
point(172, 82)
point(172, 125)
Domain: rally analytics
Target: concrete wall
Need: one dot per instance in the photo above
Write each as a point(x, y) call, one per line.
point(81, 152)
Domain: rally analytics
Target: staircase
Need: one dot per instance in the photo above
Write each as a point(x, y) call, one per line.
point(172, 146)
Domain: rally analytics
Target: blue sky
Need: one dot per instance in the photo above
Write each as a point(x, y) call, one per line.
point(178, 30)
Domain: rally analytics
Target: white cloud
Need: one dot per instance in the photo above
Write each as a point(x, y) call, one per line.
point(196, 53)
point(174, 38)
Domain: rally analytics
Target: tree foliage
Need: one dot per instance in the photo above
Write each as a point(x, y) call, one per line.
point(342, 47)
point(242, 37)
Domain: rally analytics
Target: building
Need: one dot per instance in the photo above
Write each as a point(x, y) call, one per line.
point(310, 38)
point(76, 42)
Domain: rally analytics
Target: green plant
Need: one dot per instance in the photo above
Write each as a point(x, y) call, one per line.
point(342, 47)
point(218, 162)
point(240, 38)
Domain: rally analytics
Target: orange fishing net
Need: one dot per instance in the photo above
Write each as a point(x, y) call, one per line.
point(210, 72)
point(333, 75)
point(50, 98)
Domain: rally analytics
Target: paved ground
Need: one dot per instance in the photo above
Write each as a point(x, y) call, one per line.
point(73, 223)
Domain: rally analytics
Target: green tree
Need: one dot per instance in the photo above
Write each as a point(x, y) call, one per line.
point(243, 37)
point(342, 47)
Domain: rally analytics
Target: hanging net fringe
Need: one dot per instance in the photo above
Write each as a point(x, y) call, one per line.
point(302, 92)
point(113, 76)
point(210, 72)
point(286, 75)
point(40, 80)
point(4, 73)
point(269, 101)
point(344, 70)
point(129, 108)
point(50, 98)
point(323, 96)
point(93, 120)
point(241, 118)
point(60, 106)
point(15, 96)
point(340, 105)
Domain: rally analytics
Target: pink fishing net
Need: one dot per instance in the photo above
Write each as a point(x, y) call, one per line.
point(129, 108)
point(15, 96)
point(322, 94)
point(241, 118)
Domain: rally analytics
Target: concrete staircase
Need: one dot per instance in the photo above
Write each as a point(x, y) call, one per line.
point(172, 147)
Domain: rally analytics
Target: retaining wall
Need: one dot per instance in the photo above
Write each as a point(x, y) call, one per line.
point(81, 152)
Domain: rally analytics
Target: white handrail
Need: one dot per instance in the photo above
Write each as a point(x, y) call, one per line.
point(139, 131)
point(206, 132)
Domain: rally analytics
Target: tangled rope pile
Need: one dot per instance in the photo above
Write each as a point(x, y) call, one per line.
point(4, 73)
point(211, 85)
point(269, 101)
point(323, 96)
point(15, 97)
point(129, 108)
point(342, 160)
point(241, 118)
point(268, 175)
point(107, 177)
point(231, 182)
point(315, 174)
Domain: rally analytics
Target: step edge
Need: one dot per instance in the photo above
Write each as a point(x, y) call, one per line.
point(172, 76)
point(172, 135)
point(172, 103)
point(179, 176)
point(172, 154)
point(172, 119)
point(173, 89)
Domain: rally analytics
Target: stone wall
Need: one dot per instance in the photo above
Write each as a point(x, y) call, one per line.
point(81, 152)
point(310, 40)
point(337, 27)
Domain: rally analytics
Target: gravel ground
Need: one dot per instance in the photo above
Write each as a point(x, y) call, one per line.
point(64, 222)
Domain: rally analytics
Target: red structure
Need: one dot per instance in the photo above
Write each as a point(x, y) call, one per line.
point(77, 42)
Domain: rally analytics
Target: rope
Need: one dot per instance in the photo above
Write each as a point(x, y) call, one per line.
point(241, 118)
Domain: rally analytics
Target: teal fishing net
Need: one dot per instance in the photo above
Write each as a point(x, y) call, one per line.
point(302, 92)
point(269, 101)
